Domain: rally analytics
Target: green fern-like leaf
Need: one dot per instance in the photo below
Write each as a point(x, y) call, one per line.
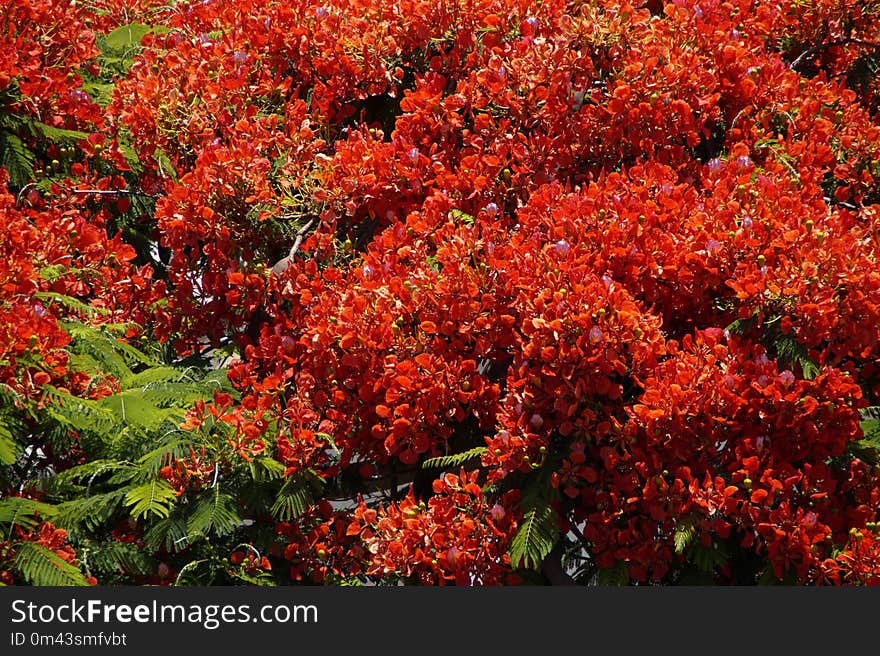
point(89, 512)
point(740, 326)
point(707, 559)
point(266, 469)
point(81, 414)
point(166, 168)
point(132, 409)
point(177, 395)
point(195, 573)
point(100, 92)
point(296, 495)
point(118, 558)
point(26, 513)
point(55, 134)
point(153, 498)
point(42, 567)
point(150, 463)
point(52, 272)
point(70, 303)
point(158, 375)
point(453, 460)
point(169, 534)
point(790, 351)
point(89, 471)
point(868, 448)
point(9, 447)
point(465, 218)
point(124, 38)
point(617, 575)
point(17, 158)
point(535, 537)
point(684, 534)
point(116, 355)
point(214, 513)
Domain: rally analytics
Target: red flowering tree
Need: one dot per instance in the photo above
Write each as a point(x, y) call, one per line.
point(475, 293)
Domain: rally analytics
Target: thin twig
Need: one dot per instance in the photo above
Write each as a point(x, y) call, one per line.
point(112, 192)
point(840, 203)
point(293, 215)
point(809, 52)
point(284, 262)
point(300, 235)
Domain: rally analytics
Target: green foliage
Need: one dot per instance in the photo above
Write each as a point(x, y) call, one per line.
point(868, 448)
point(120, 47)
point(53, 273)
point(617, 575)
point(40, 566)
point(128, 437)
point(17, 159)
point(465, 218)
point(684, 535)
point(23, 139)
point(266, 469)
point(57, 135)
point(124, 38)
point(13, 436)
point(539, 529)
point(176, 447)
point(86, 472)
point(296, 495)
point(454, 460)
point(166, 168)
point(169, 534)
point(708, 559)
point(9, 448)
point(22, 512)
point(536, 536)
point(79, 414)
point(115, 355)
point(214, 513)
point(791, 352)
point(109, 559)
point(155, 497)
point(782, 346)
point(871, 423)
point(90, 513)
point(146, 411)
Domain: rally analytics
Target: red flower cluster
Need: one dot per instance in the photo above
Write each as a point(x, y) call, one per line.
point(456, 538)
point(621, 257)
point(49, 253)
point(45, 535)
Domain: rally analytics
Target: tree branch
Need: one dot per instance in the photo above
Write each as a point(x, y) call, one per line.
point(112, 192)
point(577, 532)
point(284, 262)
point(840, 203)
point(809, 52)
